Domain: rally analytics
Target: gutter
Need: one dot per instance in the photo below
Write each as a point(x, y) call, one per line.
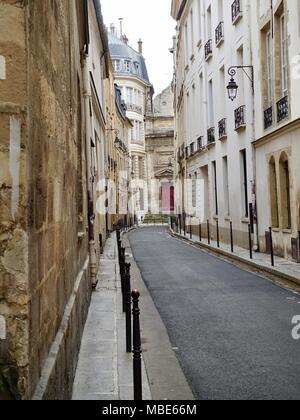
point(103, 34)
point(181, 10)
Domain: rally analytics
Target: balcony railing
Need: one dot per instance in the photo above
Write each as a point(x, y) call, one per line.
point(135, 108)
point(211, 138)
point(282, 109)
point(240, 117)
point(268, 118)
point(220, 33)
point(199, 143)
point(222, 129)
point(208, 49)
point(236, 11)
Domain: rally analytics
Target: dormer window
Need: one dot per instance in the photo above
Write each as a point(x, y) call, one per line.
point(137, 66)
point(117, 65)
point(127, 66)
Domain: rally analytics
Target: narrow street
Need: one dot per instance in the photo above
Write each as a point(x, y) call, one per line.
point(230, 329)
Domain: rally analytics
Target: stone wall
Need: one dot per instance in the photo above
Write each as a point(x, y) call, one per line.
point(42, 195)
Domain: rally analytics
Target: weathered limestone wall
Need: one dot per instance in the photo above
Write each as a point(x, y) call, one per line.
point(42, 196)
point(14, 307)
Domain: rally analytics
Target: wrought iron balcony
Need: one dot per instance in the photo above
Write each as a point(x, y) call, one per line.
point(268, 118)
point(211, 138)
point(208, 49)
point(240, 117)
point(222, 128)
point(135, 108)
point(282, 109)
point(199, 143)
point(220, 33)
point(236, 11)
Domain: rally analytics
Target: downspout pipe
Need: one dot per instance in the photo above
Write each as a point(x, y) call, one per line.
point(254, 185)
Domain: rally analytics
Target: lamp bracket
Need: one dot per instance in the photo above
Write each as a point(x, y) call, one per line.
point(233, 70)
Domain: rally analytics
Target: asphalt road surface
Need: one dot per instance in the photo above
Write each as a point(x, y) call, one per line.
point(231, 329)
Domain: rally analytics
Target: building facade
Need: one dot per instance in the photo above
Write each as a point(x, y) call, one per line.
point(276, 60)
point(160, 154)
point(132, 78)
point(55, 140)
point(118, 168)
point(223, 145)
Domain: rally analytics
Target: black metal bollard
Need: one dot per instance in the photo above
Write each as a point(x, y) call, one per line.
point(250, 242)
point(137, 351)
point(180, 227)
point(208, 233)
point(128, 308)
point(123, 275)
point(272, 247)
point(191, 229)
point(231, 237)
point(200, 232)
point(218, 234)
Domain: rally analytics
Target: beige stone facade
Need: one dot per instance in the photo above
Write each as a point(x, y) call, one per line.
point(238, 159)
point(53, 157)
point(118, 168)
point(160, 153)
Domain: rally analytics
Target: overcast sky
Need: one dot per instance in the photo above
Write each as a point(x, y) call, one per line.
point(150, 21)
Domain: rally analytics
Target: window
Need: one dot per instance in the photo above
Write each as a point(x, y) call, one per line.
point(194, 190)
point(186, 44)
point(201, 108)
point(127, 66)
point(269, 54)
point(129, 95)
point(137, 66)
point(209, 27)
point(222, 92)
point(211, 116)
point(241, 75)
point(199, 21)
point(117, 65)
point(226, 186)
point(273, 194)
point(284, 174)
point(192, 32)
point(215, 187)
point(220, 10)
point(244, 175)
point(283, 45)
point(133, 131)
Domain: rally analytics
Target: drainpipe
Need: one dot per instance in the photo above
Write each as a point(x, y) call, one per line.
point(87, 95)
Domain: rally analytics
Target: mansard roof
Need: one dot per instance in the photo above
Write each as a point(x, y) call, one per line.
point(121, 51)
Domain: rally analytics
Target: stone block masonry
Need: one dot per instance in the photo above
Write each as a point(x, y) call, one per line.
point(44, 276)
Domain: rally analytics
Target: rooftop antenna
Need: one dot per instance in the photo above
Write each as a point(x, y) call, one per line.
point(121, 27)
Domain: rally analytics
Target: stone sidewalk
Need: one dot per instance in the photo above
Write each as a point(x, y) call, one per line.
point(284, 269)
point(104, 370)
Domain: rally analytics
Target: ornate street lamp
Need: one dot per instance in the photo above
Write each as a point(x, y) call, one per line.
point(233, 86)
point(118, 142)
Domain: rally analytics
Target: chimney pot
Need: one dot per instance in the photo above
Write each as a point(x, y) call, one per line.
point(140, 44)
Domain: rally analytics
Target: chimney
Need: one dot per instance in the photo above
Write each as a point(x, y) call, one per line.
point(121, 27)
point(140, 44)
point(125, 39)
point(112, 28)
